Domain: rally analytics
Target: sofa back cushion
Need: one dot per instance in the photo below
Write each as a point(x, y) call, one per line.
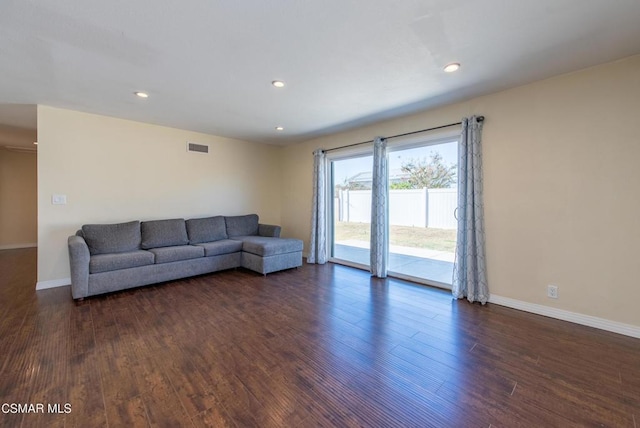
point(163, 233)
point(206, 229)
point(242, 225)
point(112, 238)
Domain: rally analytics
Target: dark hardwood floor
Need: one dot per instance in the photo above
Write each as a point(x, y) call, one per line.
point(318, 346)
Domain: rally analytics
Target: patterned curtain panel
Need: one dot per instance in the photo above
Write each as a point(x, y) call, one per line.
point(380, 210)
point(469, 270)
point(318, 241)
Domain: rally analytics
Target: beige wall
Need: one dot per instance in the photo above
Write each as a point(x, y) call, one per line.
point(114, 170)
point(562, 183)
point(18, 199)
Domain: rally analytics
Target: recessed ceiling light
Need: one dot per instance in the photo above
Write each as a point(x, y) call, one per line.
point(450, 68)
point(279, 128)
point(278, 83)
point(142, 94)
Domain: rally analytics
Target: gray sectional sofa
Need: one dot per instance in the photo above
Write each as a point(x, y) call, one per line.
point(111, 257)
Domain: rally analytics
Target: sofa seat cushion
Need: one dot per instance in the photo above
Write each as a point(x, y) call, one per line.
point(163, 233)
point(225, 246)
point(112, 238)
point(242, 225)
point(115, 261)
point(206, 229)
point(177, 253)
point(264, 246)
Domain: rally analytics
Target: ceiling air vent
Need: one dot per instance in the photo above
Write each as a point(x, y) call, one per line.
point(197, 148)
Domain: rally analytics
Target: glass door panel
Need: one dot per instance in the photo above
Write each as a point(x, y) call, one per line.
point(423, 197)
point(351, 209)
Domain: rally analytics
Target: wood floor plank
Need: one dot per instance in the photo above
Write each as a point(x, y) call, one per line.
point(125, 413)
point(165, 411)
point(194, 394)
point(85, 393)
point(212, 418)
point(583, 408)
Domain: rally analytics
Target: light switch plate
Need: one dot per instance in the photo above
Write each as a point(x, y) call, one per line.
point(59, 199)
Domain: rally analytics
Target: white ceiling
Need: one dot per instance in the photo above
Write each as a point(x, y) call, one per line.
point(208, 65)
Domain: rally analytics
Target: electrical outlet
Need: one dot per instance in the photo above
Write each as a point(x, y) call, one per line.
point(552, 291)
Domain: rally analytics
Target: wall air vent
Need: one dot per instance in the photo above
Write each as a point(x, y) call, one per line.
point(197, 148)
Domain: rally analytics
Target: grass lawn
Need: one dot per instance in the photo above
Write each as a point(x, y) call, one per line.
point(406, 236)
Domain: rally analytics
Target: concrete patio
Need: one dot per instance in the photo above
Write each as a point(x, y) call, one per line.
point(418, 262)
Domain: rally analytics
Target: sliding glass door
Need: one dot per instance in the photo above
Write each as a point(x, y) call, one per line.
point(351, 209)
point(423, 197)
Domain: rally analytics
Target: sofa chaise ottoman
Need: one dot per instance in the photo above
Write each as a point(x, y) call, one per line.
point(111, 257)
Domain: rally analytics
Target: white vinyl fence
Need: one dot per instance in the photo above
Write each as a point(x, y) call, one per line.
point(413, 207)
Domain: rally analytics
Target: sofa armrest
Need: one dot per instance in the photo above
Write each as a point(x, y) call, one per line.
point(79, 263)
point(269, 230)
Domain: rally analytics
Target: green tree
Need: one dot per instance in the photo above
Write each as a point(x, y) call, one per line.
point(432, 173)
point(400, 185)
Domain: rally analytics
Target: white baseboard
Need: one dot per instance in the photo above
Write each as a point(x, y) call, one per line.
point(53, 283)
point(588, 320)
point(16, 246)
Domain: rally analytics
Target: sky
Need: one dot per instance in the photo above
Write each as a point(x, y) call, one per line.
point(349, 167)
